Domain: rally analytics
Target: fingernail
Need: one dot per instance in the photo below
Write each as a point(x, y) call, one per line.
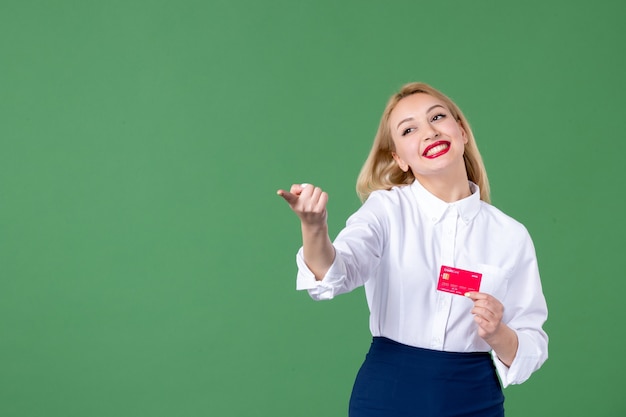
point(304, 184)
point(467, 294)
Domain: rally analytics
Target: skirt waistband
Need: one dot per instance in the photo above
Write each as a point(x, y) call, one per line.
point(402, 354)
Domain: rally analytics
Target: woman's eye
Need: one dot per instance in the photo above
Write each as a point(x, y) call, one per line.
point(407, 131)
point(439, 116)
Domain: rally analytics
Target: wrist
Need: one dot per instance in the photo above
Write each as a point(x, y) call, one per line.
point(504, 342)
point(314, 229)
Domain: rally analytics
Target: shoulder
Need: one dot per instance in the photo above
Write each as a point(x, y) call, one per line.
point(385, 204)
point(394, 196)
point(497, 218)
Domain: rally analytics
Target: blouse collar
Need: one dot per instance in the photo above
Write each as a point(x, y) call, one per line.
point(436, 208)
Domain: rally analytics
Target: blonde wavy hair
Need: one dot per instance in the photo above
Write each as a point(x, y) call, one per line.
point(380, 171)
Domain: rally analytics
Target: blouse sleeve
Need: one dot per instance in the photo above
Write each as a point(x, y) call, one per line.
point(525, 312)
point(358, 249)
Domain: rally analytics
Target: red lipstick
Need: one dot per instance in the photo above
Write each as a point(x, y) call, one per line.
point(443, 146)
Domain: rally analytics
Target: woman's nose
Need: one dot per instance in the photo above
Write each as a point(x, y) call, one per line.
point(431, 133)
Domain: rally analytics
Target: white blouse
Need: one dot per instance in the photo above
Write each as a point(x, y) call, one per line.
point(395, 245)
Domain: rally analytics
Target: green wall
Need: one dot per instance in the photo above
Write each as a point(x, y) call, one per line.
point(147, 267)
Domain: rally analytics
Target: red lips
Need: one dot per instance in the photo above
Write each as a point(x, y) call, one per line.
point(442, 145)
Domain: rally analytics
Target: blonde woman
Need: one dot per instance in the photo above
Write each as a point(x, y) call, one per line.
point(452, 283)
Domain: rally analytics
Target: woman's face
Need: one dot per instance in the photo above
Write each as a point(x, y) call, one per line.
point(427, 137)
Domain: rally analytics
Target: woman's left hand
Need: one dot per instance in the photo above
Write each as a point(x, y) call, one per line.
point(487, 313)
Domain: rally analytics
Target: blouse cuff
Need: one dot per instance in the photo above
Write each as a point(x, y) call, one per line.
point(319, 290)
point(527, 360)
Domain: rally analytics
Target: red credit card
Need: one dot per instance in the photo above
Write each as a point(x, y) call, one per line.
point(458, 281)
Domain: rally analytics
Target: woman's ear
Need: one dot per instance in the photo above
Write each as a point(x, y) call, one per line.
point(401, 164)
point(463, 132)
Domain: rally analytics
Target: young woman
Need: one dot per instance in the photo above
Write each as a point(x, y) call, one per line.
point(451, 282)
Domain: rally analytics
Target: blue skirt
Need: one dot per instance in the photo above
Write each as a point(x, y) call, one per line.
point(399, 380)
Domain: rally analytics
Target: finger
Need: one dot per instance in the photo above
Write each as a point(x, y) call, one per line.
point(317, 201)
point(303, 189)
point(491, 304)
point(484, 327)
point(311, 197)
point(316, 194)
point(485, 313)
point(296, 189)
point(483, 303)
point(323, 200)
point(289, 197)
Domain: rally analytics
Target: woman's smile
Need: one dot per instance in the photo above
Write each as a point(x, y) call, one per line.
point(436, 149)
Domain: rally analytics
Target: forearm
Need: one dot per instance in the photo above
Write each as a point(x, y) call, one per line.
point(319, 252)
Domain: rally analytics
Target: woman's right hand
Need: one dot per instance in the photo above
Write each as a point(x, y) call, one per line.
point(308, 202)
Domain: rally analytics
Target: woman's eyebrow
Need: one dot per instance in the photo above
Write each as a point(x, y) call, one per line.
point(408, 119)
point(411, 118)
point(433, 107)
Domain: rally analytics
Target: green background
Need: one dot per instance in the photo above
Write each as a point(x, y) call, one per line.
point(147, 267)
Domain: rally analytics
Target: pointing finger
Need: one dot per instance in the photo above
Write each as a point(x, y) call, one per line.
point(289, 197)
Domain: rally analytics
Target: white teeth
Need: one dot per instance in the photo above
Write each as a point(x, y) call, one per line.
point(437, 149)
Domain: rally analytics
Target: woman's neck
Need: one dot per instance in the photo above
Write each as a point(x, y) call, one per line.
point(447, 189)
